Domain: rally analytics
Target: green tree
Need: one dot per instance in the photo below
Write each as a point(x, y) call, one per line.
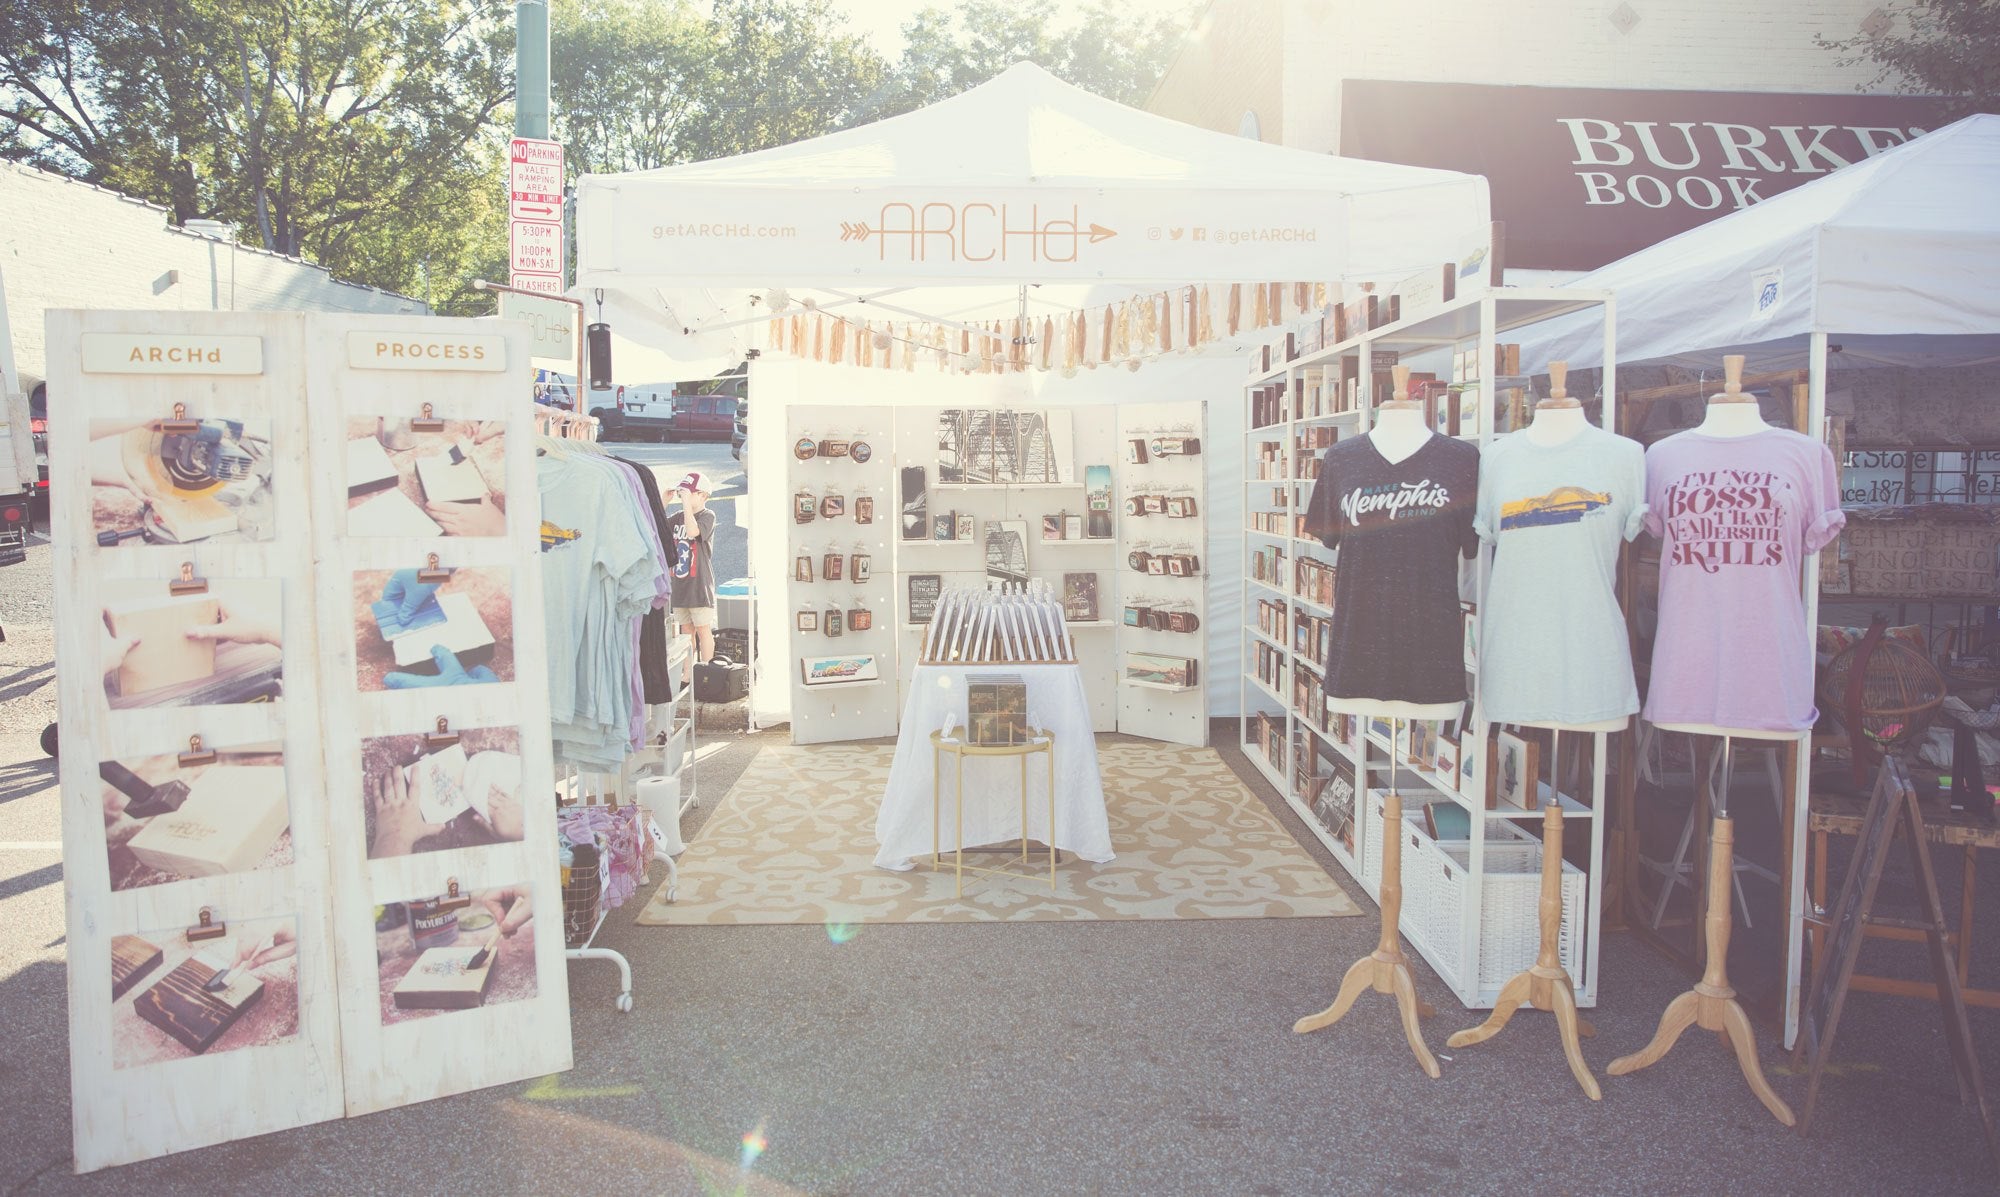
point(639, 84)
point(1112, 48)
point(362, 134)
point(1949, 48)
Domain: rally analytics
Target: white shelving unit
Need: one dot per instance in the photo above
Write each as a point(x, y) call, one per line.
point(1469, 906)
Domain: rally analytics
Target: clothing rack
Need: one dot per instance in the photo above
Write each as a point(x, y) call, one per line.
point(564, 424)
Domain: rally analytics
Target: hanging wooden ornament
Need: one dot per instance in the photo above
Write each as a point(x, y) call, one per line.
point(1235, 319)
point(1191, 330)
point(1257, 310)
point(1275, 304)
point(1048, 341)
point(1301, 296)
point(1104, 351)
point(1166, 322)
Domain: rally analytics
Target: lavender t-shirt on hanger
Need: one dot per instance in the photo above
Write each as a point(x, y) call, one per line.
point(1736, 517)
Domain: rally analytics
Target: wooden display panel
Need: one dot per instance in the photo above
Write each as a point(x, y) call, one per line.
point(390, 1061)
point(167, 1098)
point(1168, 708)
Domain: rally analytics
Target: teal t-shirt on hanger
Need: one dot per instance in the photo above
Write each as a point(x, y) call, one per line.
point(1552, 641)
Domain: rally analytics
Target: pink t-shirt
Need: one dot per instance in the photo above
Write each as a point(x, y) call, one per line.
point(1736, 517)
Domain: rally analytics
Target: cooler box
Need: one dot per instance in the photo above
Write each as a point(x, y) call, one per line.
point(733, 603)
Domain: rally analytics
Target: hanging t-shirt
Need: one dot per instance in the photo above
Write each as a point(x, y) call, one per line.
point(1736, 517)
point(1400, 528)
point(694, 567)
point(1552, 641)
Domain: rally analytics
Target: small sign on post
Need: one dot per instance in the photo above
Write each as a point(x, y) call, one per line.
point(535, 211)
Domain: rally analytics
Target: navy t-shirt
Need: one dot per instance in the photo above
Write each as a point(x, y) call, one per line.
point(1400, 528)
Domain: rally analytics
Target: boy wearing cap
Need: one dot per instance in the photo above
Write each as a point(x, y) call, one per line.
point(693, 530)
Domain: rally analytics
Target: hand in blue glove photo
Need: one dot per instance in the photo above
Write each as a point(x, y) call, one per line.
point(449, 672)
point(407, 593)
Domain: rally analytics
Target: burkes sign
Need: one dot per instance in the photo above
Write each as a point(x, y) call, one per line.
point(1584, 176)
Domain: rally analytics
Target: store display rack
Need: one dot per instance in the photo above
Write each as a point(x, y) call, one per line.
point(1470, 904)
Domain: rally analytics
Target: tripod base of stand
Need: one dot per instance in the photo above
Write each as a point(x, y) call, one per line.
point(1541, 989)
point(1716, 1010)
point(1384, 972)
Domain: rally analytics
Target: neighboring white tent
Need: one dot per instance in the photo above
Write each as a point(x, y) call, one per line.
point(1897, 256)
point(1022, 180)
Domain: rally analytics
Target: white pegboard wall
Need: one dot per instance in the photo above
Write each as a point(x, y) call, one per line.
point(1177, 716)
point(856, 710)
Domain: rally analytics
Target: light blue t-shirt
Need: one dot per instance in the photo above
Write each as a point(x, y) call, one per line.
point(1552, 641)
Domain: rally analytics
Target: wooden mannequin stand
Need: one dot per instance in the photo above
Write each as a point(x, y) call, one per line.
point(1386, 969)
point(1546, 986)
point(1711, 1004)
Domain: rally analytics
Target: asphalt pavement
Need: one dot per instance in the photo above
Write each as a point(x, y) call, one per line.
point(1133, 1057)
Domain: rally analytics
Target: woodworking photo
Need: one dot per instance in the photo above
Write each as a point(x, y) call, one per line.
point(441, 952)
point(220, 645)
point(425, 794)
point(170, 481)
point(426, 477)
point(165, 821)
point(415, 628)
point(173, 996)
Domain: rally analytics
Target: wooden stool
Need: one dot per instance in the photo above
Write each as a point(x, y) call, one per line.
point(1386, 969)
point(1546, 986)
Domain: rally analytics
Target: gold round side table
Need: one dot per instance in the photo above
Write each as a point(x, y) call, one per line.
point(1042, 741)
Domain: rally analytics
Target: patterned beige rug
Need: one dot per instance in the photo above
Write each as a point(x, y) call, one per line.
point(794, 842)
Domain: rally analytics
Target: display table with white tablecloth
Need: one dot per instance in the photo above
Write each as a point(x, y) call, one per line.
point(1056, 701)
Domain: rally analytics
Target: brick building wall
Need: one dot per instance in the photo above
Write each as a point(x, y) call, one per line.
point(67, 244)
point(1232, 63)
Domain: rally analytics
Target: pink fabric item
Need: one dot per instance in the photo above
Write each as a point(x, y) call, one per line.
point(1736, 517)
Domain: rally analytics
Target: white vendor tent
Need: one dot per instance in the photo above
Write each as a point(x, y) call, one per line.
point(1898, 256)
point(1025, 195)
point(1024, 180)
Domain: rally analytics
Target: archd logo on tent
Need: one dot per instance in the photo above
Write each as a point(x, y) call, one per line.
point(975, 232)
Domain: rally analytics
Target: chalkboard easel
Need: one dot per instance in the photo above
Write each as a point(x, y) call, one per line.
point(1892, 805)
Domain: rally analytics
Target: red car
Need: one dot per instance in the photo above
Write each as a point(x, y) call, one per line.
point(650, 417)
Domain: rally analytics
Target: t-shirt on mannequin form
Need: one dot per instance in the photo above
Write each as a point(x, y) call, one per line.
point(1738, 505)
point(1397, 503)
point(1557, 500)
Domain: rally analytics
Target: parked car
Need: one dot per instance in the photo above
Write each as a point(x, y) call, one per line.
point(653, 417)
point(741, 436)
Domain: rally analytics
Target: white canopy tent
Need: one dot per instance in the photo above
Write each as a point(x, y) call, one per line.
point(1024, 192)
point(1898, 256)
point(1893, 261)
point(1024, 180)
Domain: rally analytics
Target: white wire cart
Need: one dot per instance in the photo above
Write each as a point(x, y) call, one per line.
point(605, 814)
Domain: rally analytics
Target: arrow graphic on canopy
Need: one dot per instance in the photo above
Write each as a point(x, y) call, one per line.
point(1099, 233)
point(855, 232)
